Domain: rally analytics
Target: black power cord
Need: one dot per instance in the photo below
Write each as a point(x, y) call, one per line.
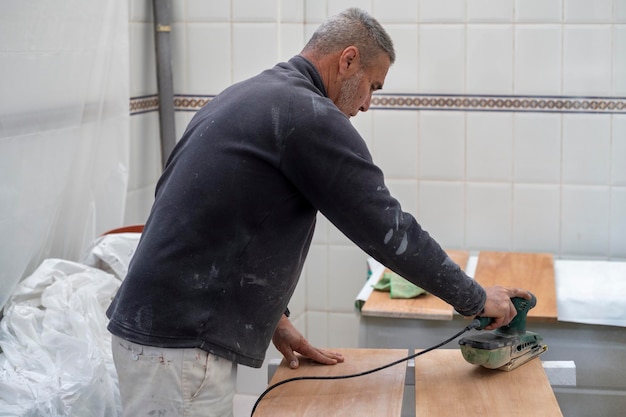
point(475, 324)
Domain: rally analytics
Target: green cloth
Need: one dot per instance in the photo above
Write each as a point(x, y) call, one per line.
point(397, 286)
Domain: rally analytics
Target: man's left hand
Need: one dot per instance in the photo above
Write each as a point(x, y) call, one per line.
point(288, 341)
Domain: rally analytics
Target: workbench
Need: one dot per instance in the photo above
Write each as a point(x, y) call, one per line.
point(437, 384)
point(593, 380)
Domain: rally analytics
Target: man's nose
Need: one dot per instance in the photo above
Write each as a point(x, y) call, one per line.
point(366, 104)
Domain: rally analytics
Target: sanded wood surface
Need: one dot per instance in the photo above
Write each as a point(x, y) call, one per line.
point(426, 306)
point(375, 395)
point(531, 271)
point(447, 386)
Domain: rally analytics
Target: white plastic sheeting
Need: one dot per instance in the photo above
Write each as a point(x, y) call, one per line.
point(112, 253)
point(56, 352)
point(591, 292)
point(64, 128)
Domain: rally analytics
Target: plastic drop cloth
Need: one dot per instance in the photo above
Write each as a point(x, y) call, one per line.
point(56, 352)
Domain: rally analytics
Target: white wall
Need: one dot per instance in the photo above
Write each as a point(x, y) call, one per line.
point(476, 177)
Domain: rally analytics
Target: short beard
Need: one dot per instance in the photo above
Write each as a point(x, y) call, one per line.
point(348, 92)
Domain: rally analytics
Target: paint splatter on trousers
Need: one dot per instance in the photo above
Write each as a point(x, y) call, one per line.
point(162, 382)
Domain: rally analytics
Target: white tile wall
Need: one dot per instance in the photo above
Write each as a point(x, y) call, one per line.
point(181, 121)
point(180, 61)
point(537, 148)
point(553, 182)
point(442, 146)
point(343, 330)
point(316, 274)
point(317, 328)
point(208, 11)
point(336, 6)
point(442, 58)
point(586, 149)
point(205, 73)
point(617, 222)
point(291, 40)
point(442, 209)
point(489, 59)
point(403, 74)
point(582, 45)
point(405, 191)
point(490, 10)
point(538, 59)
point(442, 11)
point(395, 11)
point(347, 273)
point(297, 304)
point(321, 230)
point(142, 57)
point(488, 216)
point(619, 12)
point(291, 11)
point(539, 11)
point(178, 10)
point(597, 11)
point(536, 214)
point(145, 151)
point(489, 146)
point(254, 48)
point(315, 11)
point(140, 11)
point(255, 11)
point(138, 204)
point(394, 130)
point(585, 220)
point(619, 60)
point(618, 151)
point(309, 29)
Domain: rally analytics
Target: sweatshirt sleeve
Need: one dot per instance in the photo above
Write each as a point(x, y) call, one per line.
point(328, 161)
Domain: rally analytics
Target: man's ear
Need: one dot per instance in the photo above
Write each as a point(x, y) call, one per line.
point(349, 61)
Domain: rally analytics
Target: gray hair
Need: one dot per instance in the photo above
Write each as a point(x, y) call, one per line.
point(351, 27)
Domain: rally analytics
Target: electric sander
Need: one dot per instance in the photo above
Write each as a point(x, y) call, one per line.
point(507, 347)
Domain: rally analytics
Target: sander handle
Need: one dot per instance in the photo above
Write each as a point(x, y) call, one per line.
point(480, 322)
point(518, 324)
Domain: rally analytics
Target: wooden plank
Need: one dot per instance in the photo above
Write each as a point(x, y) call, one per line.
point(427, 306)
point(377, 395)
point(531, 271)
point(447, 386)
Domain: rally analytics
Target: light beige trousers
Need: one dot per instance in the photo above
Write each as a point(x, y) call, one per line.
point(161, 382)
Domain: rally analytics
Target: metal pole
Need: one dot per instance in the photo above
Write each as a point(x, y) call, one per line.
point(163, 27)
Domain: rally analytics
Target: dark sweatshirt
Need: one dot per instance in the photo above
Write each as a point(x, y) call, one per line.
point(234, 214)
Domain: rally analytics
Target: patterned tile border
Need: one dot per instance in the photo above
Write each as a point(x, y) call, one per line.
point(542, 104)
point(539, 104)
point(144, 104)
point(190, 103)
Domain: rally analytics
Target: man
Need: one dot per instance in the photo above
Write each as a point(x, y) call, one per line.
point(233, 218)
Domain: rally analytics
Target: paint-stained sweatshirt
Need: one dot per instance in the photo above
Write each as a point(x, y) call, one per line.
point(235, 211)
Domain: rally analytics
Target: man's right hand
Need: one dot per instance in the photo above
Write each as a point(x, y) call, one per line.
point(499, 306)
